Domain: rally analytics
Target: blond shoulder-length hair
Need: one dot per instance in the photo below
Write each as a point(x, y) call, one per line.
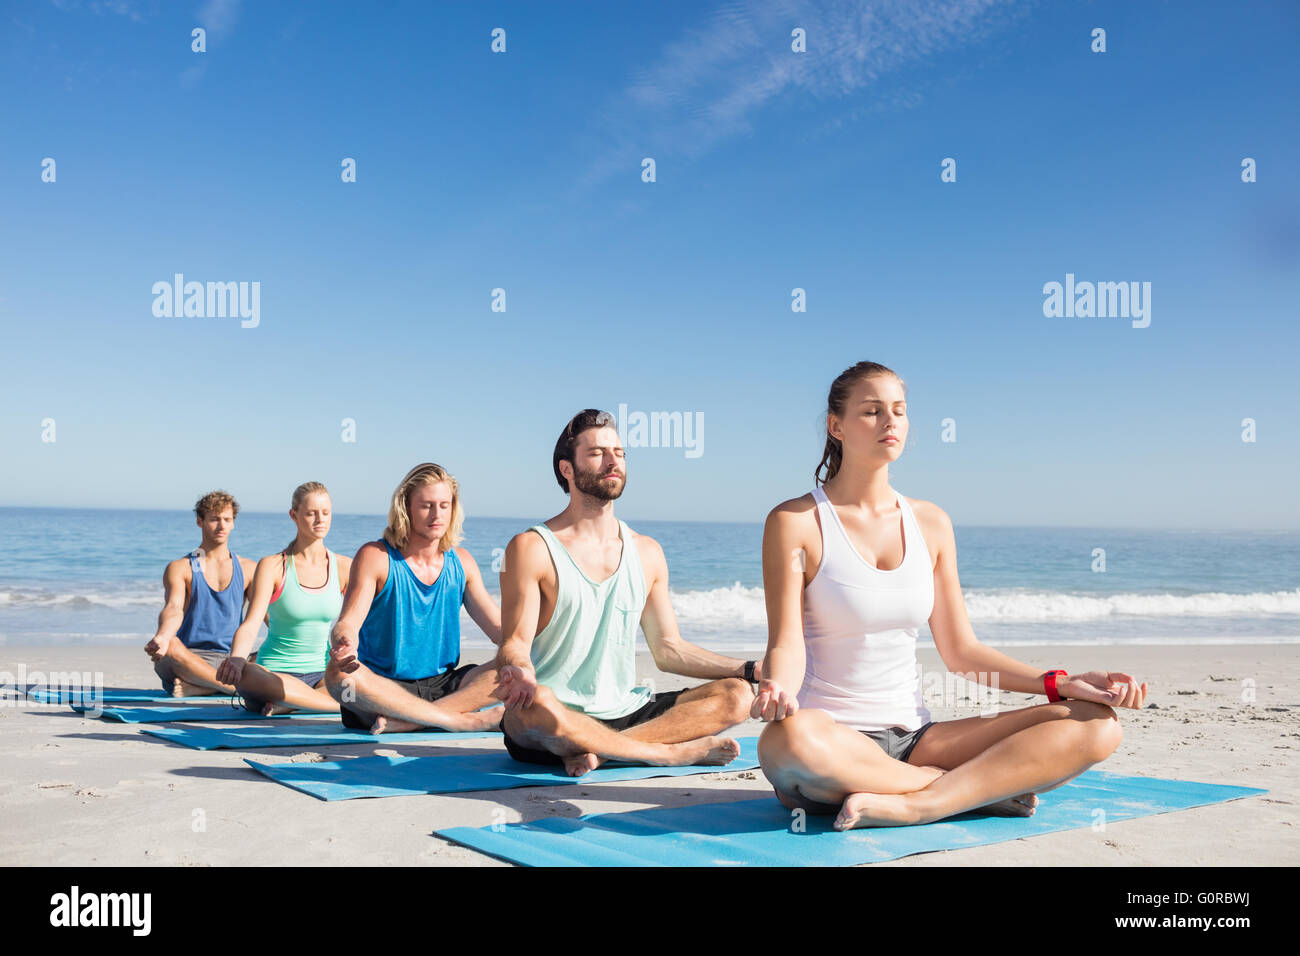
point(399, 513)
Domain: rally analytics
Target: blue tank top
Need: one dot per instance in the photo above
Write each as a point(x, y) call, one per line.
point(413, 629)
point(213, 617)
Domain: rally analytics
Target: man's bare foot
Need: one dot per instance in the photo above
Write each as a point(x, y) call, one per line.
point(703, 752)
point(577, 766)
point(451, 721)
point(392, 725)
point(275, 710)
point(475, 720)
point(183, 688)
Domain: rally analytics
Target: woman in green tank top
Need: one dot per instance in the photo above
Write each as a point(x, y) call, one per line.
point(299, 592)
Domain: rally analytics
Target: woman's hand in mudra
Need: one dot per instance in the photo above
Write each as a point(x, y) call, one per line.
point(772, 702)
point(1104, 687)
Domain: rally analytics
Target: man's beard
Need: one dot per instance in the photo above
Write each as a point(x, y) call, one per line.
point(591, 483)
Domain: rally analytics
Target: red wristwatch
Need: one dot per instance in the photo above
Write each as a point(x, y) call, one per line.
point(1049, 685)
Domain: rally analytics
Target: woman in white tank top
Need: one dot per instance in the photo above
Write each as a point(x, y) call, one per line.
point(850, 573)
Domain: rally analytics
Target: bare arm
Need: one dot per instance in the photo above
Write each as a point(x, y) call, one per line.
point(671, 652)
point(784, 558)
point(964, 655)
point(482, 609)
point(176, 585)
point(526, 561)
point(345, 572)
point(366, 576)
point(250, 574)
point(266, 578)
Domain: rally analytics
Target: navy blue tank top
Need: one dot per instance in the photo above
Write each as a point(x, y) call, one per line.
point(213, 616)
point(413, 629)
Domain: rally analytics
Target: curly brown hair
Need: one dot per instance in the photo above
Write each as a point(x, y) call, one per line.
point(215, 500)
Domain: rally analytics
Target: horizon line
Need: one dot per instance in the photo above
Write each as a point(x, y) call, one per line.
point(1055, 527)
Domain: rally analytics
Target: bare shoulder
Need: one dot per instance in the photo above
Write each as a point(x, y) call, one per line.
point(803, 505)
point(649, 549)
point(466, 560)
point(792, 517)
point(178, 570)
point(527, 552)
point(345, 570)
point(372, 554)
point(935, 524)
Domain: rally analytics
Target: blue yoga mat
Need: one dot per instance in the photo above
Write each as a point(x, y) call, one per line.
point(244, 738)
point(460, 773)
point(65, 695)
point(164, 715)
point(759, 832)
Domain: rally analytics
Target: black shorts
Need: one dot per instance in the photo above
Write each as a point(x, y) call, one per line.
point(647, 712)
point(426, 688)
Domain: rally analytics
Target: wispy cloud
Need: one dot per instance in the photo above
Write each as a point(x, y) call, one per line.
point(219, 17)
point(712, 82)
point(121, 8)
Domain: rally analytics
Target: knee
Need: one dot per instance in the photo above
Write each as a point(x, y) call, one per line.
point(542, 715)
point(1098, 726)
point(1104, 733)
point(736, 698)
point(798, 740)
point(342, 685)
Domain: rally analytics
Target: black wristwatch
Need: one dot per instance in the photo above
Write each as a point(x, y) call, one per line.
point(749, 671)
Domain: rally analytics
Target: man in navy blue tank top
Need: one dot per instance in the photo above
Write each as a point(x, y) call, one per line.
point(395, 650)
point(203, 605)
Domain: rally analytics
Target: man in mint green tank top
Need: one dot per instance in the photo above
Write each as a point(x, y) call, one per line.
point(573, 592)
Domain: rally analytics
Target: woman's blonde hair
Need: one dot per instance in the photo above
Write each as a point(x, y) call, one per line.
point(399, 511)
point(299, 494)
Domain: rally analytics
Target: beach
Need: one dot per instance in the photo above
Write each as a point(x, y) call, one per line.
point(79, 791)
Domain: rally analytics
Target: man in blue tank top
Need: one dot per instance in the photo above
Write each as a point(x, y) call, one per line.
point(203, 605)
point(573, 591)
point(394, 660)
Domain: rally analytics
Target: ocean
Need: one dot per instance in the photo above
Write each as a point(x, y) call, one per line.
point(95, 576)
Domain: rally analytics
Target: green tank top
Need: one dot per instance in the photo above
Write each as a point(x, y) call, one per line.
point(299, 621)
point(586, 654)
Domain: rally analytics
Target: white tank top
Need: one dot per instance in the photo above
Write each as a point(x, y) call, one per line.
point(860, 627)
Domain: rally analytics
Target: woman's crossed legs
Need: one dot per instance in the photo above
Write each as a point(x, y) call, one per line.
point(997, 762)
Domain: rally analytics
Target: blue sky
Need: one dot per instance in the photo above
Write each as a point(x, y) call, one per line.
point(774, 170)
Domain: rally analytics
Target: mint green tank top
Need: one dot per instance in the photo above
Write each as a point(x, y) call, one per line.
point(299, 622)
point(586, 654)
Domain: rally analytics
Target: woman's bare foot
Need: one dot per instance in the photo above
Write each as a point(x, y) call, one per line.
point(1021, 806)
point(873, 810)
point(894, 809)
point(274, 710)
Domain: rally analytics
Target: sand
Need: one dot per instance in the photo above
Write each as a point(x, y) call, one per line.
point(87, 792)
